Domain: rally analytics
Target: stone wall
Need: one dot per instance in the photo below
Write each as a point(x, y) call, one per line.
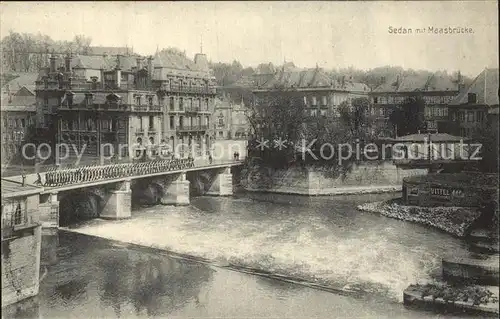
point(360, 178)
point(20, 266)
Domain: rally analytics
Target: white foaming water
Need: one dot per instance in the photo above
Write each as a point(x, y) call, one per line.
point(305, 246)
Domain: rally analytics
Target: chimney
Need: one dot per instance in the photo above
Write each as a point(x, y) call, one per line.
point(150, 71)
point(52, 63)
point(67, 61)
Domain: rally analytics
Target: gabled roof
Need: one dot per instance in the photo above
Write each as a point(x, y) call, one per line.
point(485, 86)
point(418, 82)
point(24, 91)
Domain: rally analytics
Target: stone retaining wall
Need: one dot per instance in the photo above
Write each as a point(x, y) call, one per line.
point(370, 177)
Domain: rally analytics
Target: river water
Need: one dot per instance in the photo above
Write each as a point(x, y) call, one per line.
point(369, 259)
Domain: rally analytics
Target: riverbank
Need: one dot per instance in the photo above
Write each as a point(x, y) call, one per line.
point(453, 220)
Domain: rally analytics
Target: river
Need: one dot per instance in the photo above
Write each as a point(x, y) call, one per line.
point(366, 259)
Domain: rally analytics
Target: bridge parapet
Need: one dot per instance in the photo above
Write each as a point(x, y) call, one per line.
point(56, 178)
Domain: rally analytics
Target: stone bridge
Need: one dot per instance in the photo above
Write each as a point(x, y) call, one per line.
point(107, 191)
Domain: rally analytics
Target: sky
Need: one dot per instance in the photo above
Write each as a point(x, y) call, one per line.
point(327, 34)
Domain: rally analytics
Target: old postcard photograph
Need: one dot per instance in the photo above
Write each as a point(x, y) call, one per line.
point(249, 159)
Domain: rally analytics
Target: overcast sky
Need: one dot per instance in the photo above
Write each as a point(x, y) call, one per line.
point(330, 34)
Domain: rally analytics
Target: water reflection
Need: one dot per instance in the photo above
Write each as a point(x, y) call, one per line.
point(93, 276)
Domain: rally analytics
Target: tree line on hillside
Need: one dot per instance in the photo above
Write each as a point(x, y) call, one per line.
point(26, 52)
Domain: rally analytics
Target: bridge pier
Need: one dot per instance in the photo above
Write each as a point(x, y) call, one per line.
point(49, 210)
point(222, 184)
point(176, 192)
point(119, 203)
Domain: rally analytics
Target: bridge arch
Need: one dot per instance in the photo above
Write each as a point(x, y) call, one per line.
point(80, 205)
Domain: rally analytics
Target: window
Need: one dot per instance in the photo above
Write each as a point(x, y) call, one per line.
point(150, 100)
point(461, 116)
point(18, 215)
point(480, 116)
point(470, 116)
point(137, 100)
point(471, 98)
point(172, 105)
point(172, 122)
point(151, 123)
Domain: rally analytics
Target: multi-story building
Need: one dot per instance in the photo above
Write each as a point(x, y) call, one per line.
point(21, 241)
point(437, 90)
point(320, 93)
point(17, 116)
point(131, 102)
point(230, 119)
point(469, 110)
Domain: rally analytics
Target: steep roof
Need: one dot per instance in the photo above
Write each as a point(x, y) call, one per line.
point(311, 78)
point(173, 60)
point(418, 82)
point(90, 62)
point(23, 80)
point(485, 86)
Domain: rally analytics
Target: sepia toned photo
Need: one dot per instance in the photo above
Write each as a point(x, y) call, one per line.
point(249, 159)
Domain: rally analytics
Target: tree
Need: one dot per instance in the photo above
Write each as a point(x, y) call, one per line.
point(357, 117)
point(408, 117)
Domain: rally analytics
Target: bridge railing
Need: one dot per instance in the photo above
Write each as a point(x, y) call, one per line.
point(54, 178)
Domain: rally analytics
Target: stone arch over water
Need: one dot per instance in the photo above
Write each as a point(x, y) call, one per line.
point(80, 205)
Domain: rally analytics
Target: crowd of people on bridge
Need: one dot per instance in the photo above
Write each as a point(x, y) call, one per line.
point(57, 177)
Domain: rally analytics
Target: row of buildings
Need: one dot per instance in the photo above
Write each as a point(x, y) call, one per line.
point(168, 99)
point(450, 106)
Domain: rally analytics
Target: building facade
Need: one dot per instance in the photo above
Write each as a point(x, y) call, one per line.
point(128, 105)
point(17, 116)
point(437, 90)
point(21, 241)
point(469, 110)
point(230, 120)
point(320, 94)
